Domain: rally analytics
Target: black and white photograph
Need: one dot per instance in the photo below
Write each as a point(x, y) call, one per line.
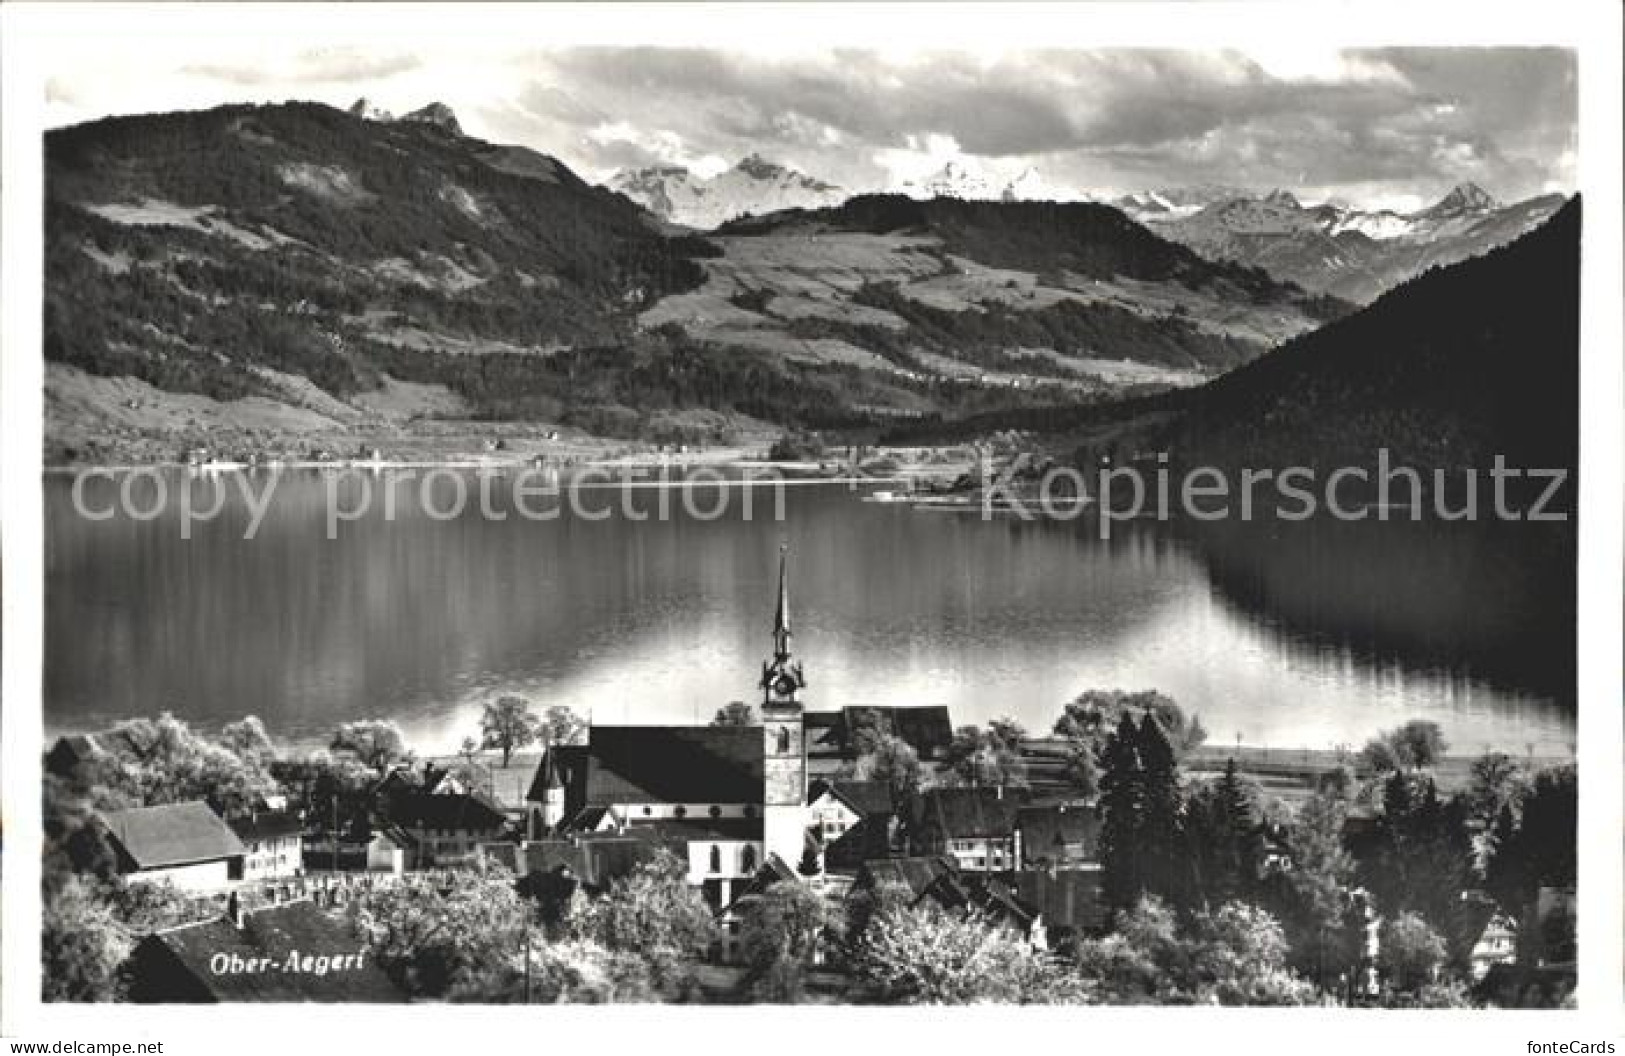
point(694, 517)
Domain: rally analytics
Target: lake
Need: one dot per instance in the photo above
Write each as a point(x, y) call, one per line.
point(1286, 635)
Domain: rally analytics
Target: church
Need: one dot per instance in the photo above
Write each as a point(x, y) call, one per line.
point(731, 800)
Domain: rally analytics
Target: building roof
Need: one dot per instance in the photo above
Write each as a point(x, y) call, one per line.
point(866, 840)
point(972, 813)
point(595, 862)
point(175, 964)
point(454, 812)
point(926, 728)
point(674, 764)
point(916, 874)
point(171, 834)
point(267, 825)
point(564, 766)
point(864, 797)
point(1064, 898)
point(1046, 831)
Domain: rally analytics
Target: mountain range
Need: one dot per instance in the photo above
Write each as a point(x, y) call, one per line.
point(298, 270)
point(1343, 251)
point(753, 186)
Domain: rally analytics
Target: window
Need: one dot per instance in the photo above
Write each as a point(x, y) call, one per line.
point(716, 857)
point(716, 812)
point(679, 811)
point(747, 860)
point(647, 811)
point(784, 740)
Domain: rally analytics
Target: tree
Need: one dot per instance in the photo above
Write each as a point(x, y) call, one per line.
point(1093, 716)
point(1494, 781)
point(1416, 745)
point(1421, 858)
point(1410, 952)
point(155, 761)
point(435, 942)
point(1233, 955)
point(655, 914)
point(931, 956)
point(988, 756)
point(1160, 835)
point(248, 739)
point(1535, 849)
point(83, 943)
point(1317, 900)
point(893, 762)
point(560, 725)
point(735, 713)
point(1224, 839)
point(1122, 809)
point(1240, 958)
point(783, 931)
point(376, 743)
point(508, 725)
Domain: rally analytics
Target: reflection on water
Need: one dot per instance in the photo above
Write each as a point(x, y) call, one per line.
point(1283, 635)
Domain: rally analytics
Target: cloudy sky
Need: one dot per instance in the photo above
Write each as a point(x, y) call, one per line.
point(1393, 127)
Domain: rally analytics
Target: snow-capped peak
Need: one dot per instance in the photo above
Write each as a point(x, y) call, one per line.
point(755, 185)
point(1463, 198)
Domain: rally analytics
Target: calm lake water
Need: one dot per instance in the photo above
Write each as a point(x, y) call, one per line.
point(1279, 634)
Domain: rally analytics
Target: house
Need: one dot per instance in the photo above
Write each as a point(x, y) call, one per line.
point(273, 844)
point(974, 826)
point(835, 805)
point(288, 953)
point(936, 880)
point(1057, 835)
point(835, 736)
point(447, 829)
point(390, 849)
point(592, 863)
point(1497, 944)
point(1068, 902)
point(185, 844)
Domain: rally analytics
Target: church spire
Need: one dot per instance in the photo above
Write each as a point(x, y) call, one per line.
point(782, 679)
point(781, 615)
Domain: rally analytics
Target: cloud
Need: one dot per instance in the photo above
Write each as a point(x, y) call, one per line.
point(314, 66)
point(1387, 123)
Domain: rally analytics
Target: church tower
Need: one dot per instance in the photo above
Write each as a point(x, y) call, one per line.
point(784, 757)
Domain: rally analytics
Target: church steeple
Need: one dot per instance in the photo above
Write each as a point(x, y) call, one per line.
point(782, 679)
point(781, 615)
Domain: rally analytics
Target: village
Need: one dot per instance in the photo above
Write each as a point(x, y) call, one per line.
point(811, 853)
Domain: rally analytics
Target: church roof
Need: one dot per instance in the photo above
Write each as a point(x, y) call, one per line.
point(674, 764)
point(564, 766)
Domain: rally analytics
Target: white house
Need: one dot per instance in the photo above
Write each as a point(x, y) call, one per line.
point(273, 845)
point(185, 844)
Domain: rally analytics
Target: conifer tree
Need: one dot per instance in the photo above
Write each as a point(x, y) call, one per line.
point(1122, 804)
point(1160, 842)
